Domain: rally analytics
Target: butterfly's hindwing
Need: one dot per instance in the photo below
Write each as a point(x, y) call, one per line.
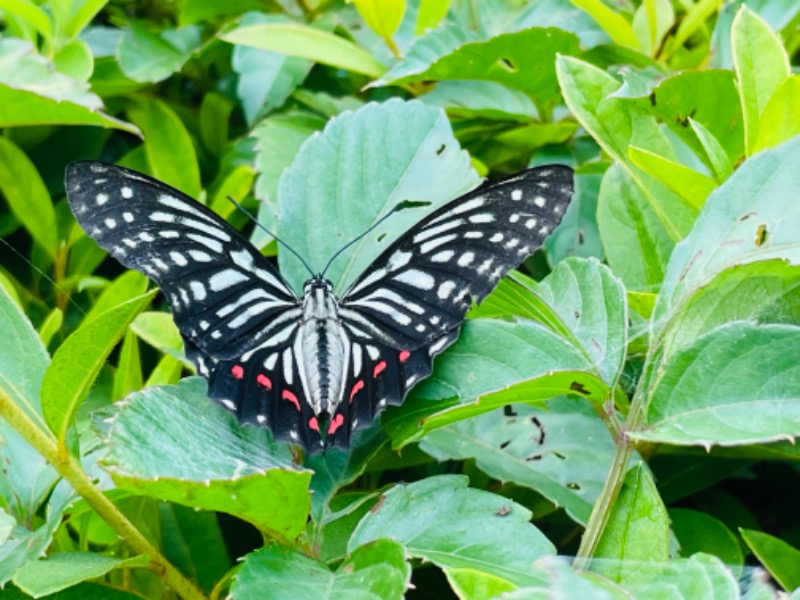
point(224, 295)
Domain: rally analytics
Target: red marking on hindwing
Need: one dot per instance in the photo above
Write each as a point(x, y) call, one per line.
point(237, 371)
point(336, 422)
point(379, 368)
point(357, 387)
point(312, 423)
point(287, 395)
point(404, 354)
point(264, 381)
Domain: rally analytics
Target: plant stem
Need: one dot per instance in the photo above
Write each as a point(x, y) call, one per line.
point(70, 469)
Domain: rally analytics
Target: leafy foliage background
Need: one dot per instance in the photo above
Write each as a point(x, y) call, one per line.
point(630, 397)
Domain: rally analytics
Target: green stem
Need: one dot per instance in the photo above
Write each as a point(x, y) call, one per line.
point(70, 469)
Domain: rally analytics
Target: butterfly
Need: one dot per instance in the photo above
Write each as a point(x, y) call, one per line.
point(315, 367)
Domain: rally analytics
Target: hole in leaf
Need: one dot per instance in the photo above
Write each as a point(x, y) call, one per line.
point(507, 64)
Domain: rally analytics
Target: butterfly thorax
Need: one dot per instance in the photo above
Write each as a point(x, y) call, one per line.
point(322, 348)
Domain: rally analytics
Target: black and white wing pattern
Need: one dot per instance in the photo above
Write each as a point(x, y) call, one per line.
point(315, 369)
point(226, 297)
point(409, 304)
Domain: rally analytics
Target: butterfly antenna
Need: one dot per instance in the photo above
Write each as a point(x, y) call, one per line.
point(45, 275)
point(275, 237)
point(354, 240)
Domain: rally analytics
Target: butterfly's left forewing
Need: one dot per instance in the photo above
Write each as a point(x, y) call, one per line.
point(409, 304)
point(231, 306)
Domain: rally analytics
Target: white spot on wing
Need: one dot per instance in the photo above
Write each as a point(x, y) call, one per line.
point(356, 359)
point(200, 256)
point(228, 404)
point(199, 293)
point(516, 195)
point(443, 256)
point(540, 201)
point(514, 218)
point(497, 237)
point(416, 278)
point(473, 235)
point(126, 192)
point(110, 223)
point(178, 258)
point(101, 199)
point(482, 218)
point(434, 231)
point(128, 217)
point(225, 279)
point(469, 205)
point(435, 243)
point(212, 245)
point(466, 258)
point(169, 234)
point(288, 375)
point(270, 361)
point(531, 223)
point(373, 352)
point(445, 289)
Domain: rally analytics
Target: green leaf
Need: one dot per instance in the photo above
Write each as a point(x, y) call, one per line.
point(378, 571)
point(125, 287)
point(717, 158)
point(430, 518)
point(637, 530)
point(78, 361)
point(429, 14)
point(635, 243)
point(780, 120)
point(33, 93)
point(410, 149)
point(651, 22)
point(613, 23)
point(128, 377)
point(279, 138)
point(168, 146)
point(174, 444)
point(761, 67)
point(75, 60)
point(469, 583)
point(26, 479)
point(306, 42)
point(34, 15)
point(27, 196)
point(503, 59)
point(542, 449)
point(266, 78)
point(51, 325)
point(481, 99)
point(590, 303)
point(159, 330)
point(80, 18)
point(751, 218)
point(497, 363)
point(560, 580)
point(764, 292)
point(616, 124)
point(739, 384)
point(698, 532)
point(779, 558)
point(382, 16)
point(65, 569)
point(709, 98)
point(702, 576)
point(146, 56)
point(692, 187)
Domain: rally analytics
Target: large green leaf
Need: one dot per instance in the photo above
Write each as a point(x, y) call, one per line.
point(781, 559)
point(409, 152)
point(761, 67)
point(739, 384)
point(266, 78)
point(751, 218)
point(494, 363)
point(32, 92)
point(27, 196)
point(173, 443)
point(25, 479)
point(442, 520)
point(78, 361)
point(543, 449)
point(306, 42)
point(65, 569)
point(702, 576)
point(523, 60)
point(146, 56)
point(637, 531)
point(377, 571)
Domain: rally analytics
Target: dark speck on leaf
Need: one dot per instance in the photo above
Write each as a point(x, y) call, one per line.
point(578, 387)
point(761, 235)
point(441, 149)
point(378, 504)
point(503, 511)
